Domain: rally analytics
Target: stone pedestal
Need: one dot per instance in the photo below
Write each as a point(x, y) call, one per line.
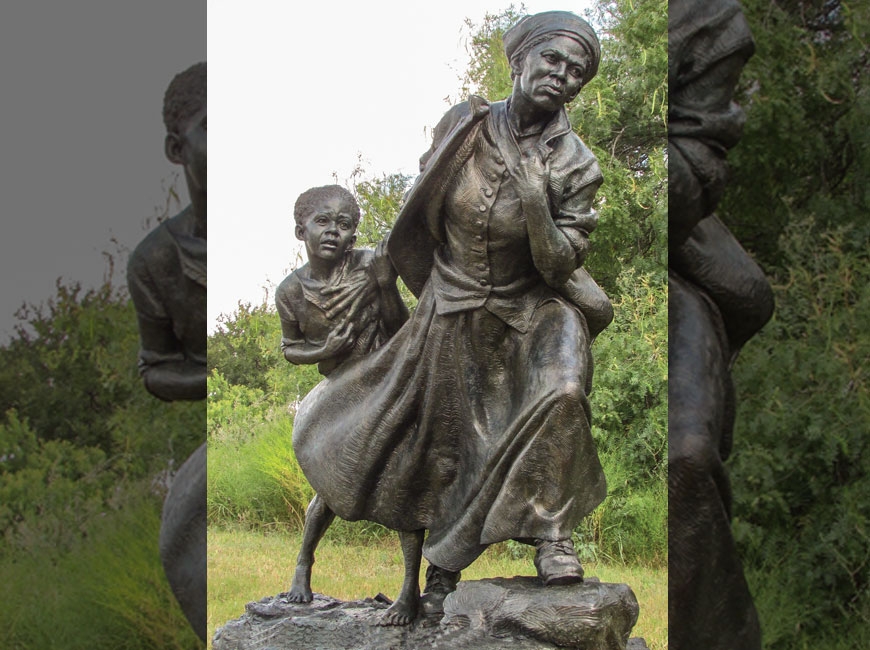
point(495, 614)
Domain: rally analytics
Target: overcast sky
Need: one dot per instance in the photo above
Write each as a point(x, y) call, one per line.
point(81, 133)
point(297, 93)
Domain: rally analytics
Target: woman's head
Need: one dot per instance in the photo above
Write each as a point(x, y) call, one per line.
point(532, 31)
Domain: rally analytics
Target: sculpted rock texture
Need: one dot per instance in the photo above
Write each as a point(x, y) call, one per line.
point(590, 615)
point(488, 614)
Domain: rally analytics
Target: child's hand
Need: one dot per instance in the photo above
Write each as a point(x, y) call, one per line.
point(351, 297)
point(339, 340)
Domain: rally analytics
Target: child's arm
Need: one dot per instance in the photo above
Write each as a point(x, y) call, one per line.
point(300, 351)
point(295, 347)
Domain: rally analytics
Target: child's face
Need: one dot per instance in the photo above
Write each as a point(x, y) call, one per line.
point(329, 231)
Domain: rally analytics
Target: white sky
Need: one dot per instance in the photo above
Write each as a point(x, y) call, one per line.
point(297, 93)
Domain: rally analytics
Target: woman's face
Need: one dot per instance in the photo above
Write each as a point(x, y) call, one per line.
point(552, 73)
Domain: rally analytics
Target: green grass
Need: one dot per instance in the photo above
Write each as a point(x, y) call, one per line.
point(107, 593)
point(245, 565)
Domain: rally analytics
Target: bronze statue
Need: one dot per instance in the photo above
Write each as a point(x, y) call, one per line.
point(472, 421)
point(718, 298)
point(340, 305)
point(166, 276)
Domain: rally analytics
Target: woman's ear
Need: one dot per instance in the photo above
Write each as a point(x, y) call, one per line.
point(300, 232)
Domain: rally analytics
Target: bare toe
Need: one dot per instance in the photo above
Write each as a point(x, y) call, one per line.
point(299, 596)
point(396, 616)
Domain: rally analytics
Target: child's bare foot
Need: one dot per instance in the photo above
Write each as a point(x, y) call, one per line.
point(401, 612)
point(300, 590)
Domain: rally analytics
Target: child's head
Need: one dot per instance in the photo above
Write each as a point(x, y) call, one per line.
point(326, 220)
point(185, 97)
point(184, 114)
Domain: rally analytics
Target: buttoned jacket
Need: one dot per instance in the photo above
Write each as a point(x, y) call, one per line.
point(574, 178)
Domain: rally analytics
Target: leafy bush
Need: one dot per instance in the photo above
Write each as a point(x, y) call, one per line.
point(801, 480)
point(85, 453)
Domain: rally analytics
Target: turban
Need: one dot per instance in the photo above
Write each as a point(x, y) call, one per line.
point(556, 23)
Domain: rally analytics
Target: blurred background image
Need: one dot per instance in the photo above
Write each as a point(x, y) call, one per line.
point(798, 199)
point(86, 454)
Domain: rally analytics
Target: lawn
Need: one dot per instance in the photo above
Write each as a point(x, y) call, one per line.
point(244, 566)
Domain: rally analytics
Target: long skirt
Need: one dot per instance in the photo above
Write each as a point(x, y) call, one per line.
point(461, 425)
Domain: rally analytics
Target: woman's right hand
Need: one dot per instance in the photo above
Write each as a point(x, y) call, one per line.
point(532, 176)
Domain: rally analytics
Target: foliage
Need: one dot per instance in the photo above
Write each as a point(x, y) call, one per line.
point(806, 147)
point(798, 199)
point(64, 369)
point(802, 517)
point(629, 396)
point(379, 201)
point(245, 346)
point(109, 592)
point(49, 490)
point(240, 489)
point(85, 453)
point(629, 416)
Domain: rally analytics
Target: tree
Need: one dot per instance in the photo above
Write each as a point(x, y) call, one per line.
point(805, 150)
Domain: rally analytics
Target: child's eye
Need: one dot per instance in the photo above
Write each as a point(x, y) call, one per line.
point(576, 72)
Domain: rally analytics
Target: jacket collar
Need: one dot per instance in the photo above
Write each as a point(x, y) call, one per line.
point(557, 127)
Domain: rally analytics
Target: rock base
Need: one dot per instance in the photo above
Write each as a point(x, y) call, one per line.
point(495, 614)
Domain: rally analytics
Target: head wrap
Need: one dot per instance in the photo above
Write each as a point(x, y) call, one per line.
point(556, 23)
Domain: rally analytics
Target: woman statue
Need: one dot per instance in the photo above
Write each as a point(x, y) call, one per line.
point(473, 420)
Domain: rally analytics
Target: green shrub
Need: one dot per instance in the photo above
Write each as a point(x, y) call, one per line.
point(800, 476)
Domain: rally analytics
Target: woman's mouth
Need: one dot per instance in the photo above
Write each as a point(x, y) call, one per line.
point(551, 90)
